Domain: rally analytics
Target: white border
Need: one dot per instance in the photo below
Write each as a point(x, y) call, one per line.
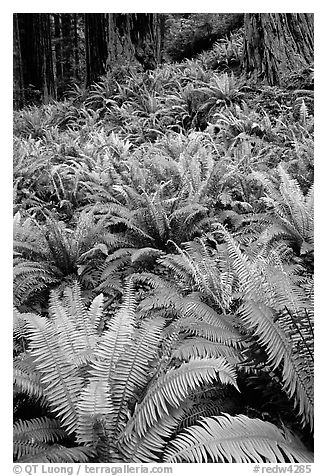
point(320, 200)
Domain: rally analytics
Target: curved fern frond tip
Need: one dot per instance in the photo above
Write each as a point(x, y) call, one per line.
point(234, 439)
point(172, 388)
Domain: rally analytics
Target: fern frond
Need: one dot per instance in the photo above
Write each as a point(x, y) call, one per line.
point(40, 430)
point(81, 322)
point(258, 312)
point(94, 403)
point(132, 370)
point(172, 388)
point(145, 254)
point(31, 278)
point(201, 312)
point(27, 449)
point(237, 439)
point(60, 454)
point(197, 411)
point(27, 379)
point(114, 340)
point(211, 332)
point(197, 347)
point(149, 447)
point(61, 379)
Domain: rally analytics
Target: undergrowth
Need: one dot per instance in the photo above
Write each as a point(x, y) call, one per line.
point(163, 269)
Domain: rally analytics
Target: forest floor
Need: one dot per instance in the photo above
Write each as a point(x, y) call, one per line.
point(171, 208)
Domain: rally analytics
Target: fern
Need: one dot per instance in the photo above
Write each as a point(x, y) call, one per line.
point(195, 347)
point(150, 447)
point(236, 439)
point(132, 371)
point(95, 403)
point(60, 377)
point(27, 379)
point(169, 390)
point(39, 430)
point(293, 212)
point(59, 454)
point(115, 339)
point(258, 311)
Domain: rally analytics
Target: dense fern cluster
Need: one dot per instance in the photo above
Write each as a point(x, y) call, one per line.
point(163, 270)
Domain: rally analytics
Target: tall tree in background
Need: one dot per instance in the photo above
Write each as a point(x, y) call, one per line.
point(117, 38)
point(277, 43)
point(96, 51)
point(66, 45)
point(36, 53)
point(19, 96)
point(136, 36)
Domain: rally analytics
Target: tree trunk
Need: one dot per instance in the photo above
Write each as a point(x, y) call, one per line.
point(96, 50)
point(63, 33)
point(135, 36)
point(276, 44)
point(76, 47)
point(36, 54)
point(68, 53)
point(117, 38)
point(19, 97)
point(58, 47)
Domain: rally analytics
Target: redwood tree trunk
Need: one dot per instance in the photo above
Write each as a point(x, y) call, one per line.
point(276, 44)
point(19, 97)
point(135, 36)
point(36, 52)
point(117, 38)
point(96, 51)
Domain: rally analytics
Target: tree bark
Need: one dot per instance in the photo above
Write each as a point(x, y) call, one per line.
point(36, 52)
point(76, 48)
point(135, 36)
point(116, 38)
point(58, 47)
point(276, 44)
point(19, 96)
point(96, 50)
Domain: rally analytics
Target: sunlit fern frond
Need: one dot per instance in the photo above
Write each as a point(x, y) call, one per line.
point(204, 269)
point(293, 211)
point(150, 446)
point(60, 377)
point(171, 389)
point(132, 370)
point(76, 326)
point(195, 311)
point(85, 319)
point(275, 337)
point(210, 331)
point(95, 403)
point(199, 347)
point(234, 439)
point(260, 312)
point(114, 340)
